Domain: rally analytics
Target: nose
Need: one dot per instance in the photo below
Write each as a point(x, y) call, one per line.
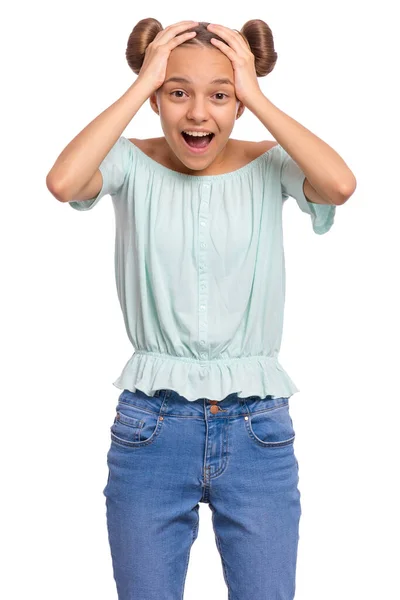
point(198, 111)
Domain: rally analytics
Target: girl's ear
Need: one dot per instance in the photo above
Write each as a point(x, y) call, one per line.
point(153, 102)
point(240, 109)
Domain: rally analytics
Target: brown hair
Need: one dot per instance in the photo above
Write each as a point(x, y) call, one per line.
point(255, 32)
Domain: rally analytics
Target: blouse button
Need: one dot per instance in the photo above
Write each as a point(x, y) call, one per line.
point(203, 355)
point(202, 223)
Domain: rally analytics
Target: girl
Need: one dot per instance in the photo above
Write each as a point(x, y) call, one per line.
point(203, 415)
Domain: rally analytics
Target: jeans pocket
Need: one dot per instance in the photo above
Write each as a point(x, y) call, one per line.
point(272, 427)
point(134, 425)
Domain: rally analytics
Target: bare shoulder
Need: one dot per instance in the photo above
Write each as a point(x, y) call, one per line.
point(264, 146)
point(252, 150)
point(147, 145)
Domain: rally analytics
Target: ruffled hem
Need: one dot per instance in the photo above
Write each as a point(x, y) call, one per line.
point(194, 379)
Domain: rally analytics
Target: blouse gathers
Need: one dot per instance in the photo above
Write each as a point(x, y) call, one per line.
point(200, 271)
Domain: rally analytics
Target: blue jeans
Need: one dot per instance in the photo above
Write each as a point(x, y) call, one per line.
point(167, 454)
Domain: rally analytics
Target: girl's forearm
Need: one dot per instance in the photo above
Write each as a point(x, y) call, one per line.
point(78, 162)
point(325, 169)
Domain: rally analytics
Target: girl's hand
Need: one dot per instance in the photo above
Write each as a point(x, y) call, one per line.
point(242, 59)
point(154, 67)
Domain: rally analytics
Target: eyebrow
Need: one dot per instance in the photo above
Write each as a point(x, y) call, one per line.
point(220, 80)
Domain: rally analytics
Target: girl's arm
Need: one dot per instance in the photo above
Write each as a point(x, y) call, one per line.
point(77, 167)
point(328, 178)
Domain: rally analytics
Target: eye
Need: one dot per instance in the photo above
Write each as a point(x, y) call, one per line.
point(181, 92)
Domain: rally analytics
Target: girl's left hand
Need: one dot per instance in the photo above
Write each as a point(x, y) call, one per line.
point(242, 59)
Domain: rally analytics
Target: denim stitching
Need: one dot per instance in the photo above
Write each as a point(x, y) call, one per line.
point(154, 435)
point(223, 565)
point(138, 444)
point(171, 414)
point(140, 407)
point(253, 436)
point(188, 554)
point(224, 466)
point(128, 421)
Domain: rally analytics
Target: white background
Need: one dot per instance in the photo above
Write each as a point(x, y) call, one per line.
point(62, 333)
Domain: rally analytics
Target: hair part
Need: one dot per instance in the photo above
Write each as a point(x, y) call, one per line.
point(256, 33)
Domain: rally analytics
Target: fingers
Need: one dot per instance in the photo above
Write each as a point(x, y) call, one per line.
point(171, 31)
point(223, 31)
point(234, 37)
point(179, 39)
point(182, 24)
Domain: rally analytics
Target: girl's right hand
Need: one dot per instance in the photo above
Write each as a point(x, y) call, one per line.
point(153, 70)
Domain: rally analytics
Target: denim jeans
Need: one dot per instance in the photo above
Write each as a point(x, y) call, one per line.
point(167, 454)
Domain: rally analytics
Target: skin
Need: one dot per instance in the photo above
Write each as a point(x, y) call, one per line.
point(197, 105)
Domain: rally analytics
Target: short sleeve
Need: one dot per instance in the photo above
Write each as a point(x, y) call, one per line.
point(114, 169)
point(292, 181)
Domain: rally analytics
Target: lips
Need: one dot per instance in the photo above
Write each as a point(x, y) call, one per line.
point(196, 130)
point(200, 149)
point(185, 135)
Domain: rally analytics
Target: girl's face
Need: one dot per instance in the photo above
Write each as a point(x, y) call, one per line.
point(197, 104)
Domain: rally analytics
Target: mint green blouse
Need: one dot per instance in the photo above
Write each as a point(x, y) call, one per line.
point(200, 271)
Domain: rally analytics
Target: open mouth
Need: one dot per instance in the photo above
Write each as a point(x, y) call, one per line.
point(197, 143)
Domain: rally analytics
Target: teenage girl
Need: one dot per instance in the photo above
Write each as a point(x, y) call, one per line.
point(203, 415)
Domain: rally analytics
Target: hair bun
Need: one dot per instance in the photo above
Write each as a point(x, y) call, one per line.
point(261, 43)
point(256, 33)
point(141, 36)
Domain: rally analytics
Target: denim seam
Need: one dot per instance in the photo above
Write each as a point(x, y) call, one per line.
point(154, 435)
point(224, 466)
point(129, 421)
point(188, 556)
point(271, 444)
point(140, 407)
point(201, 417)
point(139, 443)
point(253, 436)
point(223, 565)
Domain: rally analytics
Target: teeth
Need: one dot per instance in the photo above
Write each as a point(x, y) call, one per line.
point(196, 133)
